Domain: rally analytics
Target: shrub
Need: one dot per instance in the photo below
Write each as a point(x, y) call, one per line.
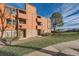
point(45, 34)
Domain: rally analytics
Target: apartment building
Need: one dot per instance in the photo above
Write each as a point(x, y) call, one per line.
point(23, 23)
point(43, 25)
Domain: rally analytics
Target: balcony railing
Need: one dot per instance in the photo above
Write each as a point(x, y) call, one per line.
point(22, 26)
point(38, 27)
point(21, 15)
point(11, 16)
point(39, 20)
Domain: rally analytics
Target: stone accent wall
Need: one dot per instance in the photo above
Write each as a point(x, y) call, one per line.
point(12, 33)
point(9, 33)
point(31, 33)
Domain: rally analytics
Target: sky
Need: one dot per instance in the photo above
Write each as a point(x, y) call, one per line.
point(70, 12)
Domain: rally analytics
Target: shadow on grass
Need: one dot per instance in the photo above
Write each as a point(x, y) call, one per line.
point(43, 50)
point(75, 49)
point(4, 53)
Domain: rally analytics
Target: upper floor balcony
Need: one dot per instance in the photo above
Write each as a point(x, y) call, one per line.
point(22, 26)
point(10, 12)
point(38, 19)
point(38, 27)
point(10, 16)
point(22, 14)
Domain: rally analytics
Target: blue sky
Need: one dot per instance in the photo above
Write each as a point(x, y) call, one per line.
point(70, 12)
point(46, 8)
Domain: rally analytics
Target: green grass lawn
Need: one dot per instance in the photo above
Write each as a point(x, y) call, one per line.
point(27, 47)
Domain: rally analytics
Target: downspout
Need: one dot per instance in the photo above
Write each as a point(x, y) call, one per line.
point(17, 23)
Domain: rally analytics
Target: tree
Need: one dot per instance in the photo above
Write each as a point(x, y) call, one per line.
point(56, 20)
point(3, 26)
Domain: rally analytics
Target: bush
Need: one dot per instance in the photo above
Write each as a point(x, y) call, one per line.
point(45, 34)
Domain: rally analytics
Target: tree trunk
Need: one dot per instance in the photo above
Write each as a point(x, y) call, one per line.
point(54, 31)
point(3, 40)
point(2, 32)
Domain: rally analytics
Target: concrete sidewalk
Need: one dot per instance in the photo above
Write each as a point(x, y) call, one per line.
point(65, 49)
point(48, 51)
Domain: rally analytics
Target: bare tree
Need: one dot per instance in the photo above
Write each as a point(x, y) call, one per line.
point(3, 26)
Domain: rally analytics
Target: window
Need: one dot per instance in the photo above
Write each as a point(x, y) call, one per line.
point(10, 10)
point(13, 11)
point(9, 21)
point(14, 22)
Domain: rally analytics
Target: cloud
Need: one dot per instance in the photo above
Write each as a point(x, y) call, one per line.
point(70, 9)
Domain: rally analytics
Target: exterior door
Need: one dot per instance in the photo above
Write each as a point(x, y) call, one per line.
point(39, 32)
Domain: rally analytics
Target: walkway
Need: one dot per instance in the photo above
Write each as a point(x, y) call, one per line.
point(61, 49)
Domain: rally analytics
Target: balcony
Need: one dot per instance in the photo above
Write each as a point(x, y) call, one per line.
point(11, 16)
point(10, 12)
point(22, 26)
point(39, 20)
point(21, 15)
point(38, 27)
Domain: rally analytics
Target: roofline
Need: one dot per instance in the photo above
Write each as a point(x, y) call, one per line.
point(10, 6)
point(31, 5)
